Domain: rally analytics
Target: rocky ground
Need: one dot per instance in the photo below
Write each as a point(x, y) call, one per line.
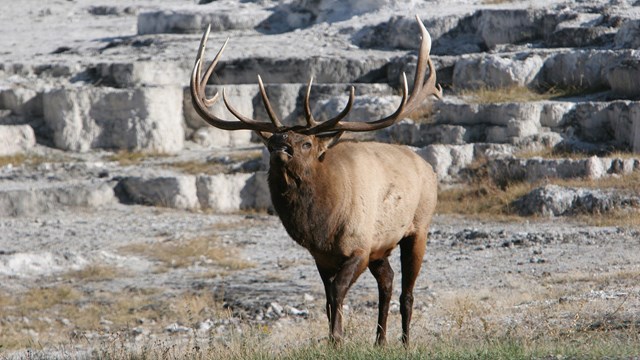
point(534, 277)
point(111, 188)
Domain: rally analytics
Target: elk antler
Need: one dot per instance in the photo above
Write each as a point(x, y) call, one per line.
point(421, 90)
point(201, 102)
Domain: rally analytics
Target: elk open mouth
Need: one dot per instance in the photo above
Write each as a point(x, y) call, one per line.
point(282, 152)
point(281, 148)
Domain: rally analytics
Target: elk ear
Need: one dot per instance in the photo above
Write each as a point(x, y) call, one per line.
point(327, 140)
point(264, 136)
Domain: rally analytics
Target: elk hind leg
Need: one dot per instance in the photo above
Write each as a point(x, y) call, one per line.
point(383, 273)
point(412, 249)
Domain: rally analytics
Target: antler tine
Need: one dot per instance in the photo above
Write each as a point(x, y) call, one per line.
point(331, 124)
point(421, 89)
point(372, 125)
point(420, 85)
point(201, 103)
point(311, 122)
point(267, 105)
point(237, 114)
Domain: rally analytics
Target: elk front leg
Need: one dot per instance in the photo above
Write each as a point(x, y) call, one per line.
point(327, 277)
point(337, 288)
point(412, 250)
point(382, 271)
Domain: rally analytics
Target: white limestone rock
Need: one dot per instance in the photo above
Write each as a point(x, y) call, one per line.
point(448, 160)
point(21, 100)
point(31, 199)
point(142, 119)
point(605, 122)
point(221, 192)
point(623, 76)
point(16, 139)
point(212, 137)
point(173, 191)
point(508, 26)
point(288, 16)
point(495, 71)
point(579, 69)
point(536, 169)
point(365, 107)
point(233, 192)
point(554, 113)
point(193, 20)
point(405, 131)
point(144, 73)
point(628, 36)
point(554, 200)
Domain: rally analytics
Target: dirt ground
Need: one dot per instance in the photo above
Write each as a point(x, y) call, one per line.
point(537, 277)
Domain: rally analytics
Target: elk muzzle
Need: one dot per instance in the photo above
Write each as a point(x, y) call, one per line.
point(279, 148)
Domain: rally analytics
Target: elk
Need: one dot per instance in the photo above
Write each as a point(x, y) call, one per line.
point(348, 203)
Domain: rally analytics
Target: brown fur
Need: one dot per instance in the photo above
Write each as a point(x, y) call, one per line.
point(350, 205)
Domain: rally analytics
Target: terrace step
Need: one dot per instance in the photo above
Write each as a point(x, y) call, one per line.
point(36, 197)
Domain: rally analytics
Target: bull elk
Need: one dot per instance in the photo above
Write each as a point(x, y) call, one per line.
point(348, 203)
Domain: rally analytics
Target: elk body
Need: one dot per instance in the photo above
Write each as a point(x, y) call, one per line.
point(348, 203)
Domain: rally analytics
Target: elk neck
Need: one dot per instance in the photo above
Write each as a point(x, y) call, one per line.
point(292, 185)
point(300, 197)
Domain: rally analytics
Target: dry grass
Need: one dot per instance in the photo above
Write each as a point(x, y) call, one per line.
point(96, 272)
point(44, 298)
point(203, 251)
point(58, 314)
point(245, 155)
point(481, 197)
point(496, 2)
point(198, 167)
point(28, 160)
point(127, 158)
point(513, 94)
point(502, 324)
point(552, 316)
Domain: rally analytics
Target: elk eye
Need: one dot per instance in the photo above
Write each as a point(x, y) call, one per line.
point(306, 145)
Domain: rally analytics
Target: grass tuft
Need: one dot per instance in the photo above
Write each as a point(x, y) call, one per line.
point(488, 95)
point(95, 272)
point(198, 167)
point(180, 254)
point(28, 160)
point(127, 158)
